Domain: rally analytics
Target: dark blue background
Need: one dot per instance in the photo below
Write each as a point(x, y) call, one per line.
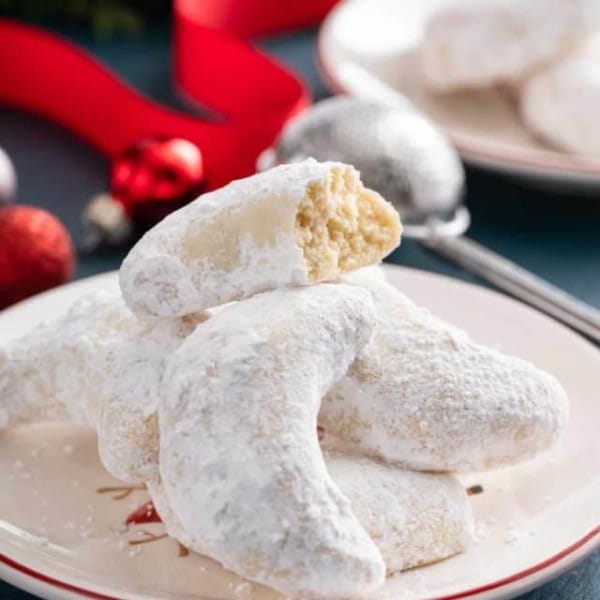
point(556, 235)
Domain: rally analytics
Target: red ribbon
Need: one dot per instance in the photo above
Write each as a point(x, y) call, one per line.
point(249, 18)
point(254, 96)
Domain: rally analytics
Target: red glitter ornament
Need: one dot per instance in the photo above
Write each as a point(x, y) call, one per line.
point(146, 183)
point(156, 177)
point(36, 253)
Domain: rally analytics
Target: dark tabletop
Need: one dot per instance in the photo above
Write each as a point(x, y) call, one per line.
point(555, 235)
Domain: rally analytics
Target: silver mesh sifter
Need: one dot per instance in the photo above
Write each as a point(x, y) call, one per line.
point(398, 152)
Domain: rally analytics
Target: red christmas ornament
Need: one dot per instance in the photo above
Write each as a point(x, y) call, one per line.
point(155, 175)
point(146, 182)
point(36, 253)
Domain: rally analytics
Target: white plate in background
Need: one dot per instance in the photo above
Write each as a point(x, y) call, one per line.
point(382, 37)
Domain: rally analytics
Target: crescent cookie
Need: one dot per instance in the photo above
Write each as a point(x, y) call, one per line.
point(293, 225)
point(425, 396)
point(96, 365)
point(413, 518)
point(239, 458)
point(561, 103)
point(477, 44)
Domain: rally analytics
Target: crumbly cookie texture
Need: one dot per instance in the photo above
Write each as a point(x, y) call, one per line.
point(240, 460)
point(413, 518)
point(561, 102)
point(293, 225)
point(96, 365)
point(477, 44)
point(423, 395)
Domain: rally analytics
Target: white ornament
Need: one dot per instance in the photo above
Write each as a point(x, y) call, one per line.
point(8, 179)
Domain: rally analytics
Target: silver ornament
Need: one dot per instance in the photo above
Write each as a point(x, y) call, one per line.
point(398, 152)
point(8, 179)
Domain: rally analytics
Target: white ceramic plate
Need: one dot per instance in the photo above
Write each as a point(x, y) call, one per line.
point(382, 38)
point(61, 538)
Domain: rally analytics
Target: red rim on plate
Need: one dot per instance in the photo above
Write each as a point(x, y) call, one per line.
point(593, 535)
point(560, 558)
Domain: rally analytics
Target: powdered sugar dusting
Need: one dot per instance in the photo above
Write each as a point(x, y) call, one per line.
point(414, 518)
point(424, 395)
point(226, 245)
point(96, 365)
point(561, 102)
point(257, 394)
point(473, 43)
